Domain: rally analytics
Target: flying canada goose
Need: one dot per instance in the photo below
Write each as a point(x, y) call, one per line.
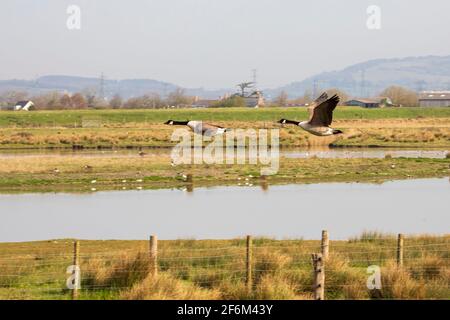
point(199, 127)
point(320, 116)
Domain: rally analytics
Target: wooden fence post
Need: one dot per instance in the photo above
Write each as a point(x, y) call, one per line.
point(325, 244)
point(319, 276)
point(154, 255)
point(249, 276)
point(400, 241)
point(76, 264)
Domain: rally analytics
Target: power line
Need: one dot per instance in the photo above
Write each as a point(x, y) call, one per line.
point(254, 78)
point(315, 93)
point(102, 86)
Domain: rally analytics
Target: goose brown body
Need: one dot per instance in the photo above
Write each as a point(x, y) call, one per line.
point(320, 116)
point(200, 127)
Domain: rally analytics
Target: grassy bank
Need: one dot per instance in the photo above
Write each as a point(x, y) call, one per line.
point(216, 269)
point(412, 127)
point(96, 173)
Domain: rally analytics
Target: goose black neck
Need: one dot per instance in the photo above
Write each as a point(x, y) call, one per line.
point(180, 123)
point(292, 122)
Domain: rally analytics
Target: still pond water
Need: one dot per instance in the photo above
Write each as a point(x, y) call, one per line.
point(289, 211)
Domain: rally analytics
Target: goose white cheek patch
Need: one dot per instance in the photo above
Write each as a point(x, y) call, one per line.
point(238, 146)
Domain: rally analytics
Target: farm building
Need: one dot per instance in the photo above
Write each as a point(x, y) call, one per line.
point(25, 105)
point(365, 103)
point(204, 103)
point(370, 103)
point(254, 100)
point(434, 99)
point(294, 104)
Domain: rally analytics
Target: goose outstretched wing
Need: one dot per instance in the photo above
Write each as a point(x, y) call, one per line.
point(322, 98)
point(322, 113)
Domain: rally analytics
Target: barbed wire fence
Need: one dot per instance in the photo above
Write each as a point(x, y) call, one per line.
point(256, 268)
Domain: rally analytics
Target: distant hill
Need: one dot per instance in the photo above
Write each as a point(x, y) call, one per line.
point(126, 88)
point(371, 77)
point(362, 79)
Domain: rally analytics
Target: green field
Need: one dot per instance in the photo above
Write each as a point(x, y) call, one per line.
point(74, 117)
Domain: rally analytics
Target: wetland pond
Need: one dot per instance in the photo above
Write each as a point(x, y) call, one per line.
point(286, 211)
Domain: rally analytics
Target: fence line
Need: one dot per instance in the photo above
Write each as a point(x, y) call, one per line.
point(247, 262)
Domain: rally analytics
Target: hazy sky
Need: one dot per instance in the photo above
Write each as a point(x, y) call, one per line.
point(212, 43)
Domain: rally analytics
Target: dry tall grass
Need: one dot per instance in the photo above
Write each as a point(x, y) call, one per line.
point(166, 287)
point(426, 132)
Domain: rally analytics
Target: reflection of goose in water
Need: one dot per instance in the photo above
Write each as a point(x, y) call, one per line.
point(188, 178)
point(199, 127)
point(264, 183)
point(321, 116)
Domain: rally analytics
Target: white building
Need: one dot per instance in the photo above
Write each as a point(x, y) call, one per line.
point(25, 105)
point(434, 99)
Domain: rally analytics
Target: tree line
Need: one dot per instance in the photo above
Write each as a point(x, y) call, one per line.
point(399, 96)
point(89, 99)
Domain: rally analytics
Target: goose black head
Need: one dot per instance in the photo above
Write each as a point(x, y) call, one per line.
point(282, 121)
point(170, 122)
